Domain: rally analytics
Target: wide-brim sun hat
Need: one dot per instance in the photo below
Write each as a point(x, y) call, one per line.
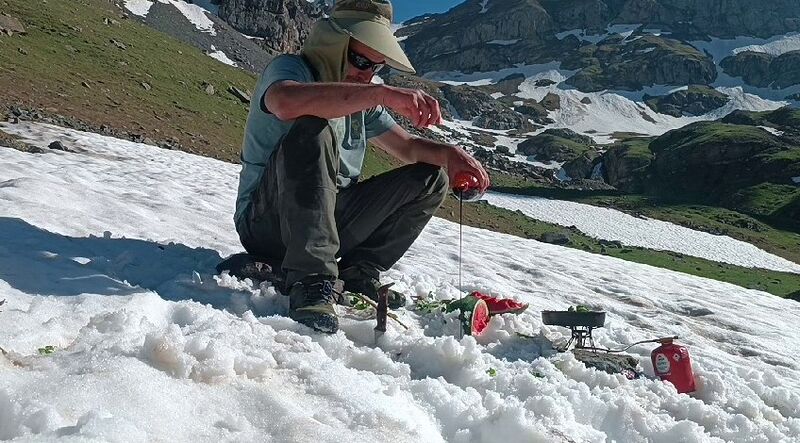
point(370, 22)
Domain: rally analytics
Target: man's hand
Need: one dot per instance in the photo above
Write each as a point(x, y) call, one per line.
point(459, 160)
point(413, 104)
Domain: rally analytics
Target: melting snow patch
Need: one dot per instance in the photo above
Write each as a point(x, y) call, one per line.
point(610, 224)
point(772, 131)
point(194, 13)
point(219, 55)
point(796, 180)
point(484, 9)
point(783, 44)
point(138, 7)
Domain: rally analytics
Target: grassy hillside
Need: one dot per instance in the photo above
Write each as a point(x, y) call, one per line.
point(82, 59)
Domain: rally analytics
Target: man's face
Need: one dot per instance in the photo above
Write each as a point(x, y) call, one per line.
point(355, 75)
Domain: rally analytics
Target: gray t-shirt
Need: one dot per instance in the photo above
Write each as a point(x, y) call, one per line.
point(264, 131)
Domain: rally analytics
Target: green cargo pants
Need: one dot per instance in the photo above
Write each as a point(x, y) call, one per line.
point(300, 219)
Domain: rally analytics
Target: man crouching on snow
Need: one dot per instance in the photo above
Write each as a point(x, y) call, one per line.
point(300, 199)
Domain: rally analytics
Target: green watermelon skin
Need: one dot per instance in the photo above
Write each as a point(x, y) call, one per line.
point(474, 314)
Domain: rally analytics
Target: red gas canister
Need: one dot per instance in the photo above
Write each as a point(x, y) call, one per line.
point(671, 363)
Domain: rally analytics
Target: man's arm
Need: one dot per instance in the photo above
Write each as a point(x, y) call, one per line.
point(289, 100)
point(410, 149)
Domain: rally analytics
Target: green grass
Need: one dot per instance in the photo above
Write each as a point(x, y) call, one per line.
point(549, 146)
point(766, 199)
point(72, 67)
point(637, 149)
point(697, 135)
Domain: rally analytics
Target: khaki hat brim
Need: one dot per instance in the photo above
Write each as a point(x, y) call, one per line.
point(378, 37)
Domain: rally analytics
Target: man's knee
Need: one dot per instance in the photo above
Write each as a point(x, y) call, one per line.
point(436, 182)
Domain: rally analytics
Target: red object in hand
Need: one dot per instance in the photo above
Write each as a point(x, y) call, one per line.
point(465, 181)
point(467, 187)
point(672, 363)
point(500, 305)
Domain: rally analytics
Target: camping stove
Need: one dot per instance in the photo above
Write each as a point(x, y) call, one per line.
point(581, 324)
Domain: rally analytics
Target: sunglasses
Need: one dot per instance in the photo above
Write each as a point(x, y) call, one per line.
point(362, 63)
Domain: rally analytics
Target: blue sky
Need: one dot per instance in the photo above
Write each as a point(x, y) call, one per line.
point(405, 9)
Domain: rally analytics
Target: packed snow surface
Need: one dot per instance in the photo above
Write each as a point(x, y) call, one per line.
point(196, 14)
point(107, 253)
point(610, 224)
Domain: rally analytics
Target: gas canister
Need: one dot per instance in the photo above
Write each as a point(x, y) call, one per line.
point(672, 363)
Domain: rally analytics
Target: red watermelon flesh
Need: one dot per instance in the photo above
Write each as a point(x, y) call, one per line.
point(480, 318)
point(500, 305)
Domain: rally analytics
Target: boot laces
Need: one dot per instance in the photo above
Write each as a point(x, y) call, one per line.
point(322, 291)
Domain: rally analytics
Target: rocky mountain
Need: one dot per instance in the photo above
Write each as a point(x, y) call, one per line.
point(765, 70)
point(282, 24)
point(619, 62)
point(694, 100)
point(490, 35)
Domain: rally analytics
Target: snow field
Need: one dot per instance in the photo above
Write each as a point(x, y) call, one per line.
point(152, 346)
point(196, 14)
point(610, 224)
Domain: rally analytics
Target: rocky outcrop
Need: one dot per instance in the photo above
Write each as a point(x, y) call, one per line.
point(708, 159)
point(466, 102)
point(619, 63)
point(764, 70)
point(283, 24)
point(466, 39)
point(507, 86)
point(626, 164)
point(10, 25)
point(551, 102)
point(485, 112)
point(695, 100)
point(560, 145)
point(501, 162)
point(582, 166)
point(700, 18)
point(728, 18)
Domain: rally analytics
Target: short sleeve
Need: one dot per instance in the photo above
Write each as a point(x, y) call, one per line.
point(377, 121)
point(283, 67)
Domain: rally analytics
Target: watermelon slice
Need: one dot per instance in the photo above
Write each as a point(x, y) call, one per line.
point(500, 305)
point(480, 319)
point(474, 314)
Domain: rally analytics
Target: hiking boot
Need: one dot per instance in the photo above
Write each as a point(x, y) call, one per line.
point(369, 286)
point(311, 303)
